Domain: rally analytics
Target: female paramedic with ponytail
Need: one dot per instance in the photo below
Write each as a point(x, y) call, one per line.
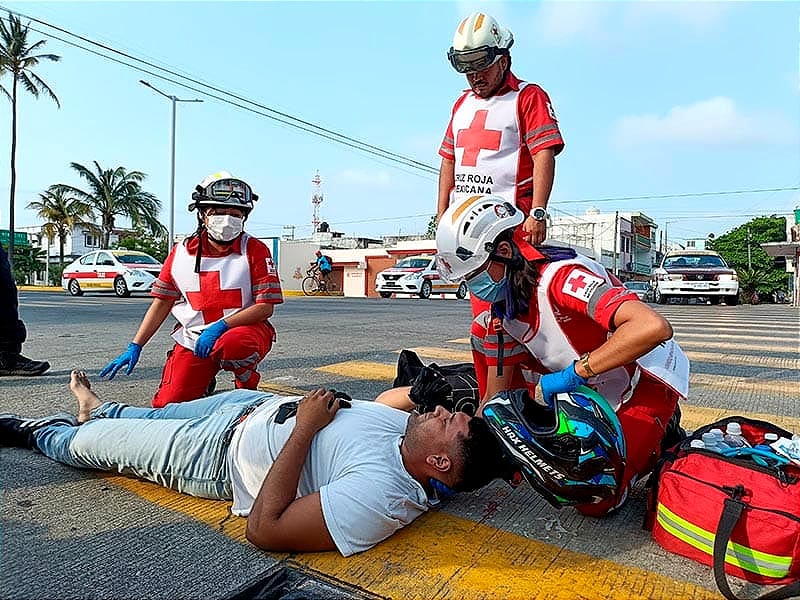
point(221, 286)
point(557, 318)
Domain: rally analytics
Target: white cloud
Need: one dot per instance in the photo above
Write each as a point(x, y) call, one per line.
point(564, 21)
point(713, 122)
point(606, 22)
point(363, 178)
point(697, 15)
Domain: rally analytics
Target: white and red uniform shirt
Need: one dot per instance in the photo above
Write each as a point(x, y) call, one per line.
point(240, 276)
point(493, 140)
point(572, 313)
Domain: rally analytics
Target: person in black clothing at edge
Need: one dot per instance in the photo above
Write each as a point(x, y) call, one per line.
point(12, 329)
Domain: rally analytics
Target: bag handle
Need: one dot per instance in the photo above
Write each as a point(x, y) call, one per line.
point(731, 513)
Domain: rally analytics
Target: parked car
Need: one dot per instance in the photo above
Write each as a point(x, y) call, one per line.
point(416, 275)
point(642, 289)
point(695, 273)
point(118, 271)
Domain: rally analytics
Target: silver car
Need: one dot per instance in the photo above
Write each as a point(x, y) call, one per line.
point(642, 289)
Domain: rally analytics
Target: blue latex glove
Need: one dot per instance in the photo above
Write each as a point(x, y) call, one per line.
point(205, 343)
point(130, 357)
point(566, 380)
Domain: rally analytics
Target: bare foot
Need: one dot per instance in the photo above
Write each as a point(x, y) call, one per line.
point(87, 399)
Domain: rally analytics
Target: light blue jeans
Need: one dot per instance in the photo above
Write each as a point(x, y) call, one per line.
point(182, 446)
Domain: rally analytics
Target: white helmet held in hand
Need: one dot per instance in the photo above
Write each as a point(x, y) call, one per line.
point(467, 231)
point(478, 43)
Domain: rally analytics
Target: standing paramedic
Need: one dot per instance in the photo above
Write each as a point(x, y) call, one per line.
point(503, 135)
point(564, 323)
point(222, 287)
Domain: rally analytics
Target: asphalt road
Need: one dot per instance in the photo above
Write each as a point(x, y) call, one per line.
point(86, 332)
point(71, 534)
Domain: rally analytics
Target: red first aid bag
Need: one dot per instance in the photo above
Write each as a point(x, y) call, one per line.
point(737, 514)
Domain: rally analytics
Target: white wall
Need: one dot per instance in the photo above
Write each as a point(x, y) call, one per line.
point(292, 258)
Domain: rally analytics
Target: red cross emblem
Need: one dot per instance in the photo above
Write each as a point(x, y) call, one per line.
point(212, 300)
point(576, 283)
point(477, 138)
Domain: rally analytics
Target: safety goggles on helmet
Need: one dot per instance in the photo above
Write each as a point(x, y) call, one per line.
point(571, 454)
point(225, 192)
point(225, 189)
point(477, 59)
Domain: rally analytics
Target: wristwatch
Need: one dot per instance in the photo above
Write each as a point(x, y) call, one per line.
point(539, 213)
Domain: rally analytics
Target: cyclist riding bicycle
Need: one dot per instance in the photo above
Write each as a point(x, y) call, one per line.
point(324, 265)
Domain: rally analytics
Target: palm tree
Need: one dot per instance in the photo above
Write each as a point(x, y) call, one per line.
point(61, 213)
point(19, 58)
point(116, 193)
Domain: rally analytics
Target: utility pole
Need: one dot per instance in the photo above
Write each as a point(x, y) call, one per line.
point(749, 258)
point(616, 241)
point(174, 100)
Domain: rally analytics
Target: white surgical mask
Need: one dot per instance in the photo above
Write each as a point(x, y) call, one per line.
point(224, 228)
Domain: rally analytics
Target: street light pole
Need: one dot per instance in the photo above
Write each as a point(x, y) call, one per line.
point(174, 100)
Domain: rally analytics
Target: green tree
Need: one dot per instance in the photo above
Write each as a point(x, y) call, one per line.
point(18, 57)
point(55, 272)
point(757, 271)
point(431, 233)
point(734, 244)
point(61, 214)
point(116, 193)
point(759, 281)
point(27, 261)
point(155, 246)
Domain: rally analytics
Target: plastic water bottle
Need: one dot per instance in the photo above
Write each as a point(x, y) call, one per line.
point(697, 444)
point(719, 438)
point(710, 441)
point(794, 447)
point(733, 436)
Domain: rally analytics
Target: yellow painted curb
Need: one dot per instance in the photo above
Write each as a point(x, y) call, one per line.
point(361, 369)
point(444, 557)
point(373, 371)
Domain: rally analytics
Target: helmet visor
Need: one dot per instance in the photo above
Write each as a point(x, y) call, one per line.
point(478, 59)
point(230, 191)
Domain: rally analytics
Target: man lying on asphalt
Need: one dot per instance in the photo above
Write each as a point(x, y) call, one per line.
point(310, 474)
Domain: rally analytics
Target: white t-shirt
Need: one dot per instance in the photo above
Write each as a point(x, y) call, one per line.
point(354, 463)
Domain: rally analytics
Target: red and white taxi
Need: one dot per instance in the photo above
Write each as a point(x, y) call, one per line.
point(416, 275)
point(118, 271)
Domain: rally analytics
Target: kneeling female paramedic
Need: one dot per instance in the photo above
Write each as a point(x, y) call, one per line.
point(559, 319)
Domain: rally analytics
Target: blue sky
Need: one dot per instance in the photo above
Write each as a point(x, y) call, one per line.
point(653, 98)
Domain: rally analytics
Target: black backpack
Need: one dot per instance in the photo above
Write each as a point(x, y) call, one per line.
point(453, 386)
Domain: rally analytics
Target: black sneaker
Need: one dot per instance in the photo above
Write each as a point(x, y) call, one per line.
point(17, 432)
point(14, 364)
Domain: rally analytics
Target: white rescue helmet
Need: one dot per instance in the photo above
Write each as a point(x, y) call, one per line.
point(478, 43)
point(223, 189)
point(467, 231)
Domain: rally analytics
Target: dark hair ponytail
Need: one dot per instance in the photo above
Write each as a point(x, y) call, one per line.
point(522, 275)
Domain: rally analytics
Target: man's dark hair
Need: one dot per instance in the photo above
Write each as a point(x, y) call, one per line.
point(482, 458)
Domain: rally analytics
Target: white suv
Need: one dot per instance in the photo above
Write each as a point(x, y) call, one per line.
point(693, 273)
point(416, 275)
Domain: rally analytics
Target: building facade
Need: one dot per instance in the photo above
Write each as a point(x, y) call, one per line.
point(623, 242)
